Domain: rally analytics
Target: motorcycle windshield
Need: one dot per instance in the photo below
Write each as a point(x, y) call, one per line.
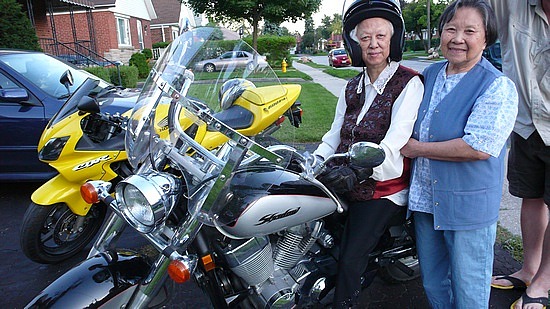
point(202, 111)
point(94, 88)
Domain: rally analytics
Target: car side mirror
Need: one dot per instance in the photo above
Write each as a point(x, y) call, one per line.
point(88, 105)
point(14, 95)
point(67, 80)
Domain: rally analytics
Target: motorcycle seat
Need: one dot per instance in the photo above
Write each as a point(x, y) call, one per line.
point(236, 117)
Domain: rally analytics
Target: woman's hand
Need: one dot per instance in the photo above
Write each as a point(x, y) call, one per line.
point(411, 149)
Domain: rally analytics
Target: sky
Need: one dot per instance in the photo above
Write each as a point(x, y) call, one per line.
point(328, 7)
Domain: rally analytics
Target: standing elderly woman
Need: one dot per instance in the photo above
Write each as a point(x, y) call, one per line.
point(465, 117)
point(379, 105)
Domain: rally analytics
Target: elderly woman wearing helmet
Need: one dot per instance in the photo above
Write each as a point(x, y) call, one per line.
point(466, 115)
point(378, 105)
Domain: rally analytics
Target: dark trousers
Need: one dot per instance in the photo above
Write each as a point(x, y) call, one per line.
point(365, 224)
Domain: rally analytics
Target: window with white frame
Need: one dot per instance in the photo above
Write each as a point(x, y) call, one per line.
point(123, 31)
point(140, 34)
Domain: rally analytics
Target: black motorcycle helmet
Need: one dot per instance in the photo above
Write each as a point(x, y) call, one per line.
point(363, 9)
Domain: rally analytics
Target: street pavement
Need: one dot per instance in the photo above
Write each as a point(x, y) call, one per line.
point(23, 279)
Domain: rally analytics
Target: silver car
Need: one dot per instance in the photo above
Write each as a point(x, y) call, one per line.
point(231, 58)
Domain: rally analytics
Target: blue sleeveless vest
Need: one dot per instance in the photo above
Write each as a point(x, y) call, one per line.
point(466, 195)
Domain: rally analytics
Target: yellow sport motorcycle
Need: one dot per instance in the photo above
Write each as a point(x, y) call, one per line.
point(83, 143)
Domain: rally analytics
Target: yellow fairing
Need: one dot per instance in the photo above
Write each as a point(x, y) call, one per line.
point(266, 103)
point(75, 168)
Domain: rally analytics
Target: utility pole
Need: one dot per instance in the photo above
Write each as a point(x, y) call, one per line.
point(429, 27)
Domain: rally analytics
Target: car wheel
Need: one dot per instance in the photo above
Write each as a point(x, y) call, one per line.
point(209, 67)
point(49, 234)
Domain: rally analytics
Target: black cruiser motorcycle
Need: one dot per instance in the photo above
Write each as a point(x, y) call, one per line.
point(250, 224)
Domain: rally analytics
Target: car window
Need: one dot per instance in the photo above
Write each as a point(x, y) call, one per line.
point(6, 83)
point(339, 52)
point(227, 55)
point(44, 71)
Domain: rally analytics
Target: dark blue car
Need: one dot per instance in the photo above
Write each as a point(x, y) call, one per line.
point(30, 94)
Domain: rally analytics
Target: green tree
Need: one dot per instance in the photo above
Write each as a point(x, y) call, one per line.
point(16, 30)
point(308, 39)
point(271, 28)
point(326, 27)
point(415, 15)
point(254, 11)
point(337, 24)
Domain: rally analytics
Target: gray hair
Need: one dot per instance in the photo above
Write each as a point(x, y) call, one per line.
point(353, 33)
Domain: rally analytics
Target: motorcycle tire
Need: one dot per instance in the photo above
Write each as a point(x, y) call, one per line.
point(46, 232)
point(392, 274)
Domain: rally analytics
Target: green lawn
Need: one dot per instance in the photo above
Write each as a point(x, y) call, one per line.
point(318, 106)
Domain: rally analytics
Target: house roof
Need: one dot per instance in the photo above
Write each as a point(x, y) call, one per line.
point(84, 3)
point(168, 11)
point(104, 2)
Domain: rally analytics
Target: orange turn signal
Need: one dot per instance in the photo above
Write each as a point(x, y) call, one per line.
point(208, 262)
point(178, 271)
point(89, 193)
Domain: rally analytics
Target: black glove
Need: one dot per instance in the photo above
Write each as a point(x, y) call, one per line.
point(339, 179)
point(362, 173)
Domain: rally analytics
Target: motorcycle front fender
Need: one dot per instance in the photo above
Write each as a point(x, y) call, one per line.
point(105, 279)
point(60, 190)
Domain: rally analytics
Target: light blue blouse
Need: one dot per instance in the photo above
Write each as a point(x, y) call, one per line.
point(492, 116)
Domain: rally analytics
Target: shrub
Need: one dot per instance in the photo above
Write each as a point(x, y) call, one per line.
point(128, 75)
point(161, 44)
point(138, 60)
point(16, 30)
point(275, 47)
point(100, 72)
point(148, 53)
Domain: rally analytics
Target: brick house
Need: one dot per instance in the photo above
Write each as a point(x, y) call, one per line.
point(166, 27)
point(103, 31)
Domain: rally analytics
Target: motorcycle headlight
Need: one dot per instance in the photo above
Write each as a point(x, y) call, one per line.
point(52, 149)
point(146, 200)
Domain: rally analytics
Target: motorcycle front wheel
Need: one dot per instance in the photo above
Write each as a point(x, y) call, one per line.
point(49, 234)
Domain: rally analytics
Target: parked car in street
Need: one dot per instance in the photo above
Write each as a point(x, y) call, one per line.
point(493, 54)
point(242, 59)
point(30, 94)
point(338, 57)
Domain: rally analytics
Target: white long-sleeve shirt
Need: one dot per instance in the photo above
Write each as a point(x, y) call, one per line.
point(403, 116)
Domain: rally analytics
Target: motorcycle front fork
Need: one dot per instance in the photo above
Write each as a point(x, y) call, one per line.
point(149, 287)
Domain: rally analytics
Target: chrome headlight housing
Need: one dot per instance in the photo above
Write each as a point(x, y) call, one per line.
point(145, 200)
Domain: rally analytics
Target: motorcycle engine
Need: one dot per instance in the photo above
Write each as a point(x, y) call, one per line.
point(273, 270)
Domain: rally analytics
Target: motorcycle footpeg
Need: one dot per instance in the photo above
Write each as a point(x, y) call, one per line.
point(404, 268)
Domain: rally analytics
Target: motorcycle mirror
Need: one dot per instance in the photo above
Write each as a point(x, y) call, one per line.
point(89, 105)
point(67, 80)
point(366, 154)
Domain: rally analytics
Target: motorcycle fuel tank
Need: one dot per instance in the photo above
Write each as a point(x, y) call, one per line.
point(264, 201)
